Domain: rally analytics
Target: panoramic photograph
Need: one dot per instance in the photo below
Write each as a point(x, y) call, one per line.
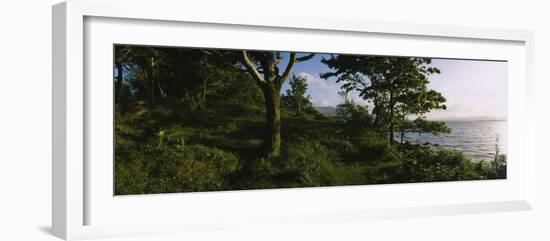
point(200, 119)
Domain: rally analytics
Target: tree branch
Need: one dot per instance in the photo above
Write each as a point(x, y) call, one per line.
point(288, 70)
point(251, 68)
point(304, 58)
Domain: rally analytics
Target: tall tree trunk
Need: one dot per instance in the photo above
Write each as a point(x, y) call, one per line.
point(118, 89)
point(403, 128)
point(151, 83)
point(272, 140)
point(271, 83)
point(391, 118)
point(376, 111)
point(391, 132)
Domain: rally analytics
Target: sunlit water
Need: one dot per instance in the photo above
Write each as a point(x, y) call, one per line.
point(476, 139)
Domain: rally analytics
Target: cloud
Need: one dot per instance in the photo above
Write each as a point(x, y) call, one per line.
point(318, 83)
point(324, 92)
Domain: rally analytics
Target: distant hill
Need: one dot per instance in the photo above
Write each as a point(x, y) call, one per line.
point(471, 118)
point(326, 110)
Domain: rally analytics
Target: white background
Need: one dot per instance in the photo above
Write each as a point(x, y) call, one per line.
point(190, 209)
point(25, 123)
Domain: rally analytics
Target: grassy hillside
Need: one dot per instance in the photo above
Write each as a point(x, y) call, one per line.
point(169, 149)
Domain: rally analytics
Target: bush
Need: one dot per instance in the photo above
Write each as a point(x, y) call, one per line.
point(162, 169)
point(373, 147)
point(312, 162)
point(498, 167)
point(424, 164)
point(163, 150)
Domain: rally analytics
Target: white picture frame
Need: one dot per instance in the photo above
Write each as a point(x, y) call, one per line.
point(77, 195)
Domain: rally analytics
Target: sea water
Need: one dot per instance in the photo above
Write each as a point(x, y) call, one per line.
point(476, 139)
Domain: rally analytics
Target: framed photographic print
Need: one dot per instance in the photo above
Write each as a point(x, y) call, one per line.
point(177, 121)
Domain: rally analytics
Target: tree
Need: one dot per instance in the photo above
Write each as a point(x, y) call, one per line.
point(416, 102)
point(140, 66)
point(396, 86)
point(119, 59)
point(422, 125)
point(295, 97)
point(264, 68)
point(191, 73)
point(122, 57)
point(356, 115)
point(154, 73)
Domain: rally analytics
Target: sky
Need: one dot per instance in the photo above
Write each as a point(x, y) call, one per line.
point(474, 89)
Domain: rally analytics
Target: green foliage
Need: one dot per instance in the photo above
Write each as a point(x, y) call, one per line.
point(312, 162)
point(432, 127)
point(162, 169)
point(425, 164)
point(396, 86)
point(498, 166)
point(356, 115)
point(295, 97)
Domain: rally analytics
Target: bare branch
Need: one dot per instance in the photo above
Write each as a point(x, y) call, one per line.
point(210, 52)
point(304, 58)
point(289, 66)
point(251, 68)
point(291, 61)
